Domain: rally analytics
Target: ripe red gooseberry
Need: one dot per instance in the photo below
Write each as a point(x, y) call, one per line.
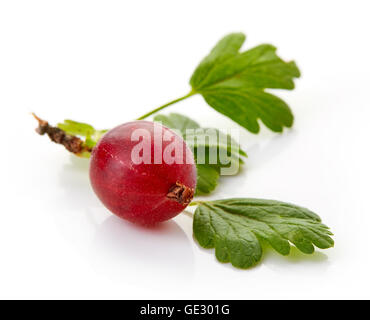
point(143, 172)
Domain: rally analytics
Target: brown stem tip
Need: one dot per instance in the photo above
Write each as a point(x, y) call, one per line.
point(181, 193)
point(71, 143)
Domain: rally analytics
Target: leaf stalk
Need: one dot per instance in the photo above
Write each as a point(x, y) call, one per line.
point(191, 93)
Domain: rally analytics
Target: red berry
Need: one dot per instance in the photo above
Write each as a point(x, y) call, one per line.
point(149, 192)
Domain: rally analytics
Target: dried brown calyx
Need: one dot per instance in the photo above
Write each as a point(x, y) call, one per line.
point(71, 143)
point(181, 193)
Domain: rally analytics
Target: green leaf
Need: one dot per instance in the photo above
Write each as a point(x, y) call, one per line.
point(247, 106)
point(200, 138)
point(207, 179)
point(197, 137)
point(176, 121)
point(236, 228)
point(233, 83)
point(226, 48)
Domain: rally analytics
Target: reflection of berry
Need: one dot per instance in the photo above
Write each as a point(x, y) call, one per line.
point(149, 192)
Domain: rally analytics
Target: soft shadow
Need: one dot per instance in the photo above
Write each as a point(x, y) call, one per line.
point(262, 149)
point(122, 249)
point(316, 262)
point(261, 152)
point(74, 180)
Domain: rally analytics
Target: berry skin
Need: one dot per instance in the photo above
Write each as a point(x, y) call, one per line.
point(149, 192)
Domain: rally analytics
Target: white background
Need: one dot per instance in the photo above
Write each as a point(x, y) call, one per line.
point(107, 62)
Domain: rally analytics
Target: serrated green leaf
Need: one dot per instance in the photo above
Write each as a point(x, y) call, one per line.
point(246, 106)
point(176, 121)
point(236, 227)
point(233, 83)
point(197, 137)
point(200, 138)
point(226, 48)
point(207, 179)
